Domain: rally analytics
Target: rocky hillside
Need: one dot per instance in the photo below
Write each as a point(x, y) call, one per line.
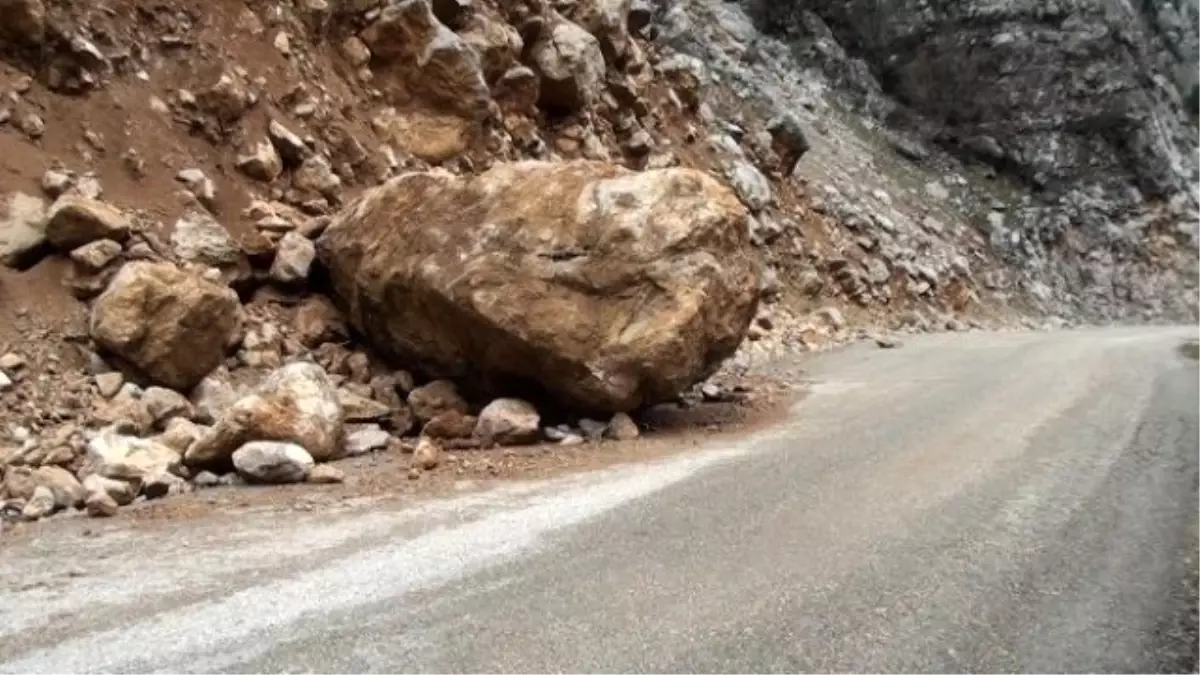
point(244, 240)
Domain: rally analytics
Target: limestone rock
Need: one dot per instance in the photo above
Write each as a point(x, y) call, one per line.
point(273, 462)
point(100, 505)
point(40, 504)
point(608, 288)
point(120, 491)
point(296, 404)
point(326, 474)
point(75, 221)
point(430, 400)
point(129, 458)
point(199, 238)
point(262, 162)
point(570, 64)
point(95, 256)
point(508, 421)
point(22, 229)
point(622, 428)
point(427, 455)
point(170, 324)
point(293, 259)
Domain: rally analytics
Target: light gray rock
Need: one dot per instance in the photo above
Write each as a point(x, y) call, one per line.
point(273, 462)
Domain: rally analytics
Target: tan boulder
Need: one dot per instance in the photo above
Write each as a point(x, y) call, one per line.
point(75, 221)
point(170, 324)
point(571, 66)
point(431, 76)
point(508, 421)
point(610, 289)
point(129, 458)
point(296, 404)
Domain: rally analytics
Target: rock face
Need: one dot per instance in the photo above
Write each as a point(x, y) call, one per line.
point(170, 324)
point(296, 404)
point(1067, 93)
point(607, 288)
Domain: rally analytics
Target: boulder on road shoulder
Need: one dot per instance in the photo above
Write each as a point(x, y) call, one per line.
point(296, 404)
point(128, 458)
point(508, 421)
point(610, 289)
point(170, 324)
point(273, 462)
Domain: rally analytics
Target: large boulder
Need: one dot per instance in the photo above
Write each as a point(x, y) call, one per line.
point(172, 325)
point(296, 404)
point(608, 288)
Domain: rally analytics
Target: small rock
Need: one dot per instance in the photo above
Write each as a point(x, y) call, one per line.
point(291, 148)
point(622, 428)
point(888, 342)
point(427, 455)
point(55, 183)
point(108, 384)
point(450, 424)
point(592, 429)
point(6, 382)
point(357, 408)
point(32, 125)
point(164, 404)
point(180, 433)
point(427, 401)
point(12, 362)
point(200, 185)
point(262, 162)
point(273, 462)
point(39, 505)
point(364, 439)
point(161, 485)
point(206, 479)
point(95, 256)
point(293, 260)
point(121, 492)
point(100, 505)
point(129, 458)
point(508, 421)
point(75, 221)
point(326, 473)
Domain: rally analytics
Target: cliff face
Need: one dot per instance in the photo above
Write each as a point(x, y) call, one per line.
point(1065, 94)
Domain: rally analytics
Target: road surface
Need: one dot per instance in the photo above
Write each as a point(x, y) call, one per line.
point(981, 502)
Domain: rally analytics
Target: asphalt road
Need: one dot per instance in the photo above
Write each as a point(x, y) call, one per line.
point(983, 502)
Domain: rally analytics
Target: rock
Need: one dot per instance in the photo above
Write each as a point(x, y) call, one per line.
point(12, 362)
point(213, 396)
point(296, 404)
point(160, 485)
point(227, 99)
point(451, 12)
point(262, 162)
point(593, 429)
point(55, 183)
point(125, 412)
point(32, 125)
point(22, 21)
point(788, 140)
point(448, 79)
point(291, 148)
point(622, 428)
point(97, 255)
point(570, 64)
point(317, 321)
point(832, 317)
point(198, 238)
point(22, 229)
point(450, 424)
point(608, 21)
point(687, 75)
point(171, 325)
point(199, 185)
point(293, 259)
point(75, 221)
point(100, 505)
point(164, 404)
point(532, 264)
point(357, 408)
point(430, 400)
point(316, 175)
point(129, 458)
point(120, 491)
point(427, 455)
point(508, 421)
point(273, 462)
point(206, 479)
point(40, 504)
point(356, 51)
point(326, 474)
point(365, 438)
point(65, 488)
point(750, 184)
point(888, 342)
